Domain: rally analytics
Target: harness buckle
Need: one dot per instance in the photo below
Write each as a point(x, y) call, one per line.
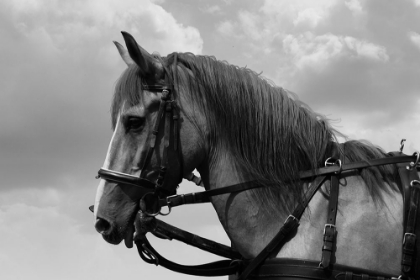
point(329, 226)
point(332, 161)
point(410, 235)
point(415, 182)
point(291, 217)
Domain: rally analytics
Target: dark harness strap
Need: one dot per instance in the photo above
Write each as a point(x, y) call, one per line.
point(293, 269)
point(410, 266)
point(330, 228)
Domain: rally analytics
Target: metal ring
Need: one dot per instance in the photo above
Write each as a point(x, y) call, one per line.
point(165, 214)
point(145, 210)
point(414, 182)
point(336, 161)
point(327, 163)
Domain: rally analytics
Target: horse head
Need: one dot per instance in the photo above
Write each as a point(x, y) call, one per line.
point(154, 141)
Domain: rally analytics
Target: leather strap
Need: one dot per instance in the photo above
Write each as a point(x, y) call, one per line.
point(219, 268)
point(356, 165)
point(329, 228)
point(297, 269)
point(163, 230)
point(410, 264)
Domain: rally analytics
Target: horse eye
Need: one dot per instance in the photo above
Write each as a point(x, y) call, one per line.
point(134, 123)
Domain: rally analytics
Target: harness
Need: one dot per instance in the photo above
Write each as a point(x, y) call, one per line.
point(159, 196)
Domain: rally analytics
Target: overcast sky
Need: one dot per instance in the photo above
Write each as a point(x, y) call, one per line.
point(358, 62)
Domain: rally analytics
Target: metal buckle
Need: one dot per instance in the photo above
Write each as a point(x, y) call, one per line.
point(330, 226)
point(336, 161)
point(291, 217)
point(410, 234)
point(415, 182)
point(145, 210)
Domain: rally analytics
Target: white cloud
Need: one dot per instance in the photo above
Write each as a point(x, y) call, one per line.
point(415, 38)
point(226, 28)
point(355, 6)
point(215, 9)
point(316, 52)
point(310, 17)
point(249, 23)
point(366, 49)
point(71, 24)
point(308, 50)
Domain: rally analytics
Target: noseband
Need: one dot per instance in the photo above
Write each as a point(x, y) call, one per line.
point(169, 113)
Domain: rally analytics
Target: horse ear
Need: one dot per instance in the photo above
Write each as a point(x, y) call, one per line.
point(149, 66)
point(124, 54)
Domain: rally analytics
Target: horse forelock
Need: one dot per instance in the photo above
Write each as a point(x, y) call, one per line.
point(127, 92)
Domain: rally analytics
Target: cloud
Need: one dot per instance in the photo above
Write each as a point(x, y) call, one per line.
point(214, 9)
point(226, 28)
point(81, 21)
point(355, 6)
point(313, 51)
point(348, 55)
point(415, 38)
point(310, 17)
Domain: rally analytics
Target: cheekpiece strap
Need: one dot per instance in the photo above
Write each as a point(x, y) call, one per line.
point(330, 228)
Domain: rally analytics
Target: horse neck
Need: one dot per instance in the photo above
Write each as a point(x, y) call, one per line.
point(247, 225)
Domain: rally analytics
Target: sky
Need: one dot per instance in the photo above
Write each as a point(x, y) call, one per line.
point(357, 62)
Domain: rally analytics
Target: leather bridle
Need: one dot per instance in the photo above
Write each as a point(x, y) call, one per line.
point(169, 114)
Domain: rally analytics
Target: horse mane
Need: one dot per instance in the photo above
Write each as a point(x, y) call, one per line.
point(271, 133)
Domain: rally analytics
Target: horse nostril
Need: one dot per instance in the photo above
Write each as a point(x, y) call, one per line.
point(102, 226)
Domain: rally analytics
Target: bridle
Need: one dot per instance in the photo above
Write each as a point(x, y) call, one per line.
point(158, 195)
point(169, 114)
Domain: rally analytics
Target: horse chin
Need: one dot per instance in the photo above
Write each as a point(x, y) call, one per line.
point(123, 231)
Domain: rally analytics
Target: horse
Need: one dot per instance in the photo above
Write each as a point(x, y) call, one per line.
point(234, 126)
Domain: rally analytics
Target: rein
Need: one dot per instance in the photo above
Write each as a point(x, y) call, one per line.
point(159, 195)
